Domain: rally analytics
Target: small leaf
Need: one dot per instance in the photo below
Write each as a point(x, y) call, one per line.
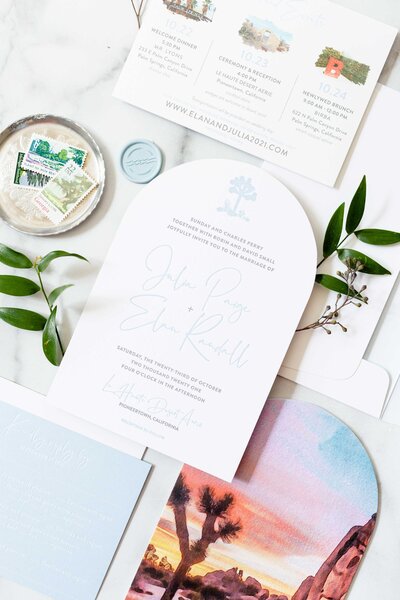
point(14, 259)
point(334, 231)
point(46, 260)
point(370, 266)
point(17, 286)
point(50, 343)
point(357, 207)
point(378, 237)
point(334, 284)
point(22, 319)
point(55, 294)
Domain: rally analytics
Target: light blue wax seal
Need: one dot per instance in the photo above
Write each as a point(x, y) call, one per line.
point(141, 161)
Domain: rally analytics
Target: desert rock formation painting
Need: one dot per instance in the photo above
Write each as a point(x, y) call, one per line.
point(293, 525)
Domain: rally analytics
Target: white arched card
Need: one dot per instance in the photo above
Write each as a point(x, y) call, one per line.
point(192, 313)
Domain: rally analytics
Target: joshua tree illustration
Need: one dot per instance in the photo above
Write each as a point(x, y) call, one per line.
point(216, 525)
point(244, 190)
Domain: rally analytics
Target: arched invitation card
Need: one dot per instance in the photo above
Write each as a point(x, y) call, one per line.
point(294, 524)
point(192, 313)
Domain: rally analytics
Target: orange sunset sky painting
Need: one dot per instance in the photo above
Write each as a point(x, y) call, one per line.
point(304, 481)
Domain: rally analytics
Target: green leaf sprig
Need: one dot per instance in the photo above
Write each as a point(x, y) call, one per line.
point(13, 285)
point(344, 283)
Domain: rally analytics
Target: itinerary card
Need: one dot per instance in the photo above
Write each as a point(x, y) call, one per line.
point(65, 502)
point(192, 313)
point(294, 524)
point(285, 81)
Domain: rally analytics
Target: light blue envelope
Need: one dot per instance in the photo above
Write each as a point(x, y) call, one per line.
point(65, 501)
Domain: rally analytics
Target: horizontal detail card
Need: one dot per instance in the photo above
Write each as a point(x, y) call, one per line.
point(192, 313)
point(65, 502)
point(294, 524)
point(285, 81)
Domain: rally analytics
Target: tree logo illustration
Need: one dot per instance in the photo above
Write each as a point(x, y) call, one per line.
point(242, 190)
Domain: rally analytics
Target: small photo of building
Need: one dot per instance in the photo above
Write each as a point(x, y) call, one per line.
point(336, 65)
point(265, 35)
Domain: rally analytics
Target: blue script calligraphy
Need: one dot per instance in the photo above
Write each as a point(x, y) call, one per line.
point(203, 329)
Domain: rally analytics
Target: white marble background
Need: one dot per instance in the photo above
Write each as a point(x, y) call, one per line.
point(63, 57)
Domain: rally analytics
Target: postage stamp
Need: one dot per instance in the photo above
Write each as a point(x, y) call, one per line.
point(23, 178)
point(48, 156)
point(64, 192)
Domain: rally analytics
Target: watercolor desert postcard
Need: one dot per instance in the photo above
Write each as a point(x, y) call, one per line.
point(294, 524)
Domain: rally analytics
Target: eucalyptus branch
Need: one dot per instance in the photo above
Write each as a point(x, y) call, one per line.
point(330, 316)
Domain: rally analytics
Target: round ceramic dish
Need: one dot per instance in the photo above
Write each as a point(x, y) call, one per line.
point(16, 207)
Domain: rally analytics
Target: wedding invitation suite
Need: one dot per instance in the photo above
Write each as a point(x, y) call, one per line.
point(192, 313)
point(285, 81)
point(65, 502)
point(294, 524)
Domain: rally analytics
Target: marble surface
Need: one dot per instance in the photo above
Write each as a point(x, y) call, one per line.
point(63, 58)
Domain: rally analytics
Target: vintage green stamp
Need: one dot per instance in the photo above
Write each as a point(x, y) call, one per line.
point(24, 178)
point(64, 192)
point(48, 156)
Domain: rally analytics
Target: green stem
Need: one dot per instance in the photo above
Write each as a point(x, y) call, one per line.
point(50, 307)
point(337, 248)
